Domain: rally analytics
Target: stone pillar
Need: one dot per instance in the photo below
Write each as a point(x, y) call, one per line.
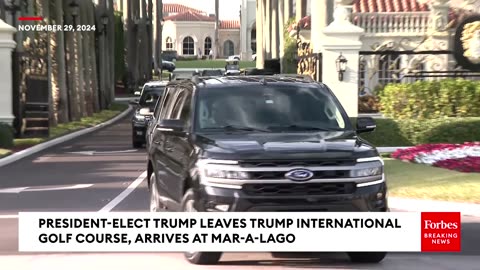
point(7, 44)
point(281, 26)
point(287, 10)
point(319, 23)
point(268, 29)
point(244, 28)
point(300, 9)
point(274, 27)
point(260, 39)
point(342, 37)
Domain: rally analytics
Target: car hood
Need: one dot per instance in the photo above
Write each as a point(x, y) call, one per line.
point(284, 145)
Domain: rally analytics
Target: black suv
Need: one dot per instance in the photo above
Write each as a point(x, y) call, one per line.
point(260, 143)
point(150, 94)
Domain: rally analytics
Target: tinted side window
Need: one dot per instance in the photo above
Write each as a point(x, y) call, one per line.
point(183, 106)
point(179, 103)
point(167, 101)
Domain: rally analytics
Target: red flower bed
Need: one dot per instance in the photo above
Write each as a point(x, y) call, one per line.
point(462, 164)
point(468, 164)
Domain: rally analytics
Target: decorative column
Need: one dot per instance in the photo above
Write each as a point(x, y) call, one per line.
point(287, 10)
point(439, 36)
point(342, 38)
point(7, 44)
point(300, 9)
point(319, 23)
point(259, 32)
point(274, 27)
point(268, 29)
point(244, 30)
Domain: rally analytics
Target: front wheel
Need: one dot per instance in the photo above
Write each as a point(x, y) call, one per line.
point(367, 257)
point(195, 257)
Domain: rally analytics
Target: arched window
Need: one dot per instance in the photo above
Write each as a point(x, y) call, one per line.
point(188, 46)
point(228, 48)
point(169, 43)
point(208, 46)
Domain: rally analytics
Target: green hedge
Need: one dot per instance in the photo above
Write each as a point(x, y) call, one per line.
point(6, 136)
point(409, 132)
point(431, 99)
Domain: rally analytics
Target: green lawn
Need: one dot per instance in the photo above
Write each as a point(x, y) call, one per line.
point(210, 64)
point(4, 152)
point(63, 129)
point(407, 180)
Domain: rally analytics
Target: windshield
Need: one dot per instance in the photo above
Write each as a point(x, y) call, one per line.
point(150, 95)
point(274, 108)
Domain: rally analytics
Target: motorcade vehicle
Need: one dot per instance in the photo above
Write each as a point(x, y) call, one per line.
point(144, 107)
point(232, 67)
point(261, 143)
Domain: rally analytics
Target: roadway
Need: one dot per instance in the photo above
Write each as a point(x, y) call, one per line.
point(92, 172)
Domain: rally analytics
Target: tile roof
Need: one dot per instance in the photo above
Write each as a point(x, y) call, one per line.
point(189, 16)
point(230, 24)
point(178, 8)
point(389, 6)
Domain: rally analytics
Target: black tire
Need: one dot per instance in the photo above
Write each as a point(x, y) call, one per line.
point(136, 144)
point(200, 258)
point(367, 257)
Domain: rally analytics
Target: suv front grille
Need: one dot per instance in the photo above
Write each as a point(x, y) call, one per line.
point(317, 175)
point(302, 163)
point(299, 189)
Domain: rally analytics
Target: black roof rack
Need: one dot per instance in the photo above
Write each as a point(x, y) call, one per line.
point(296, 76)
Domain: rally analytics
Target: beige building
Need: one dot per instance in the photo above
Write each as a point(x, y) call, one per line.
point(191, 33)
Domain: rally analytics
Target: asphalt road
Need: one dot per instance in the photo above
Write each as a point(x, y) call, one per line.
point(105, 173)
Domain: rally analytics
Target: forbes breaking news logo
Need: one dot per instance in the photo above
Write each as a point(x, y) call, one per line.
point(441, 232)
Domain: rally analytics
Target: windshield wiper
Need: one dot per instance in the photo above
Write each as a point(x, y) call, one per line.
point(239, 128)
point(300, 127)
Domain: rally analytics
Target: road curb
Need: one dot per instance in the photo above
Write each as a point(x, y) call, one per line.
point(416, 205)
point(45, 145)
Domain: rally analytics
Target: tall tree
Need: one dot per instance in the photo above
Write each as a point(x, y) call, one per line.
point(60, 67)
point(74, 103)
point(159, 37)
point(111, 50)
point(150, 35)
point(93, 57)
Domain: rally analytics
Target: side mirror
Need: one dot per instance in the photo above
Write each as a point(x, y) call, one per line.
point(137, 93)
point(171, 125)
point(365, 124)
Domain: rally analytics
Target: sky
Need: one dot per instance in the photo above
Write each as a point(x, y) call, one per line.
point(229, 9)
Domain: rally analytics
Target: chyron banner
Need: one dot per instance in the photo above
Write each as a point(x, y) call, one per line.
point(467, 43)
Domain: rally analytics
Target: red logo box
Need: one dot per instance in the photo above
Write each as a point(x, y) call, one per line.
point(441, 232)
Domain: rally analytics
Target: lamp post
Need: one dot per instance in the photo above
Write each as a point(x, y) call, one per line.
point(341, 64)
point(13, 7)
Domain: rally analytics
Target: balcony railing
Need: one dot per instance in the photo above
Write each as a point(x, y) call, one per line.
point(392, 22)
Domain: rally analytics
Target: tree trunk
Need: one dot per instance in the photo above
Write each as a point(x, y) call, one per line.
point(79, 53)
point(60, 67)
point(281, 25)
point(93, 57)
point(111, 50)
point(150, 36)
point(159, 37)
point(85, 54)
point(71, 67)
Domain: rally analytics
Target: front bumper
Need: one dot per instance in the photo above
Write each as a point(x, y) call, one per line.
point(139, 131)
point(361, 199)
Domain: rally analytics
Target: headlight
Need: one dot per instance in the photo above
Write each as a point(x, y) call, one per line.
point(139, 117)
point(372, 171)
point(217, 173)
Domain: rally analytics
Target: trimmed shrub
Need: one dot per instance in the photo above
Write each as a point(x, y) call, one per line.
point(431, 99)
point(6, 136)
point(409, 132)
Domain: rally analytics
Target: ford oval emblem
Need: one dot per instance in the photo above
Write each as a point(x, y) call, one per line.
point(299, 175)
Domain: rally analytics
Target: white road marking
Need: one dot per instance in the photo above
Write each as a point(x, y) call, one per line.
point(28, 189)
point(8, 216)
point(124, 194)
point(91, 153)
